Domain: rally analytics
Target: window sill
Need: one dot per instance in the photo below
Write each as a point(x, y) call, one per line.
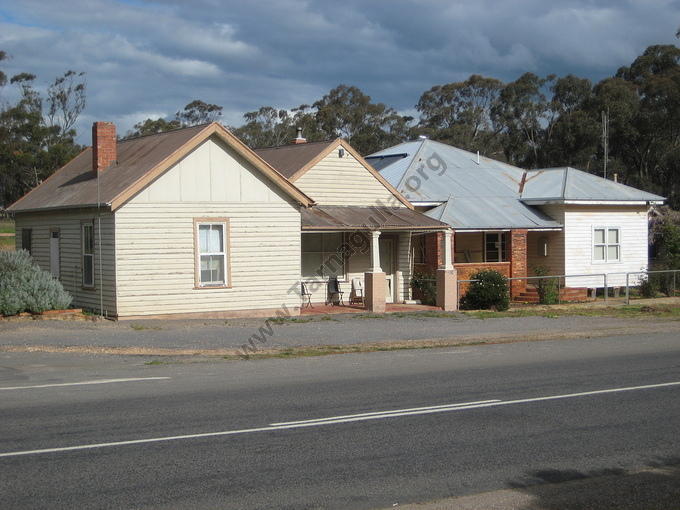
point(213, 287)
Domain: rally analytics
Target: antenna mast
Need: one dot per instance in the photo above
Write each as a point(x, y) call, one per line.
point(605, 138)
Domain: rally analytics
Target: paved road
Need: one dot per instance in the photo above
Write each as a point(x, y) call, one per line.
point(512, 437)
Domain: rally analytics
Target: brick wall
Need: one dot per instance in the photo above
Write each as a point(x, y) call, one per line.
point(465, 272)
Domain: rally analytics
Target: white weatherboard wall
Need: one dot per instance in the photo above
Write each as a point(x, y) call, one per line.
point(579, 222)
point(155, 239)
point(70, 266)
point(345, 181)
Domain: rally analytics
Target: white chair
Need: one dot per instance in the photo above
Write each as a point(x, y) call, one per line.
point(357, 293)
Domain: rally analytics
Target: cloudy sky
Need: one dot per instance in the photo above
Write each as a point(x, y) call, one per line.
point(150, 58)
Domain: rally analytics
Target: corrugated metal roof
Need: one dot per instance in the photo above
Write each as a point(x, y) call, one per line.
point(482, 193)
point(75, 184)
point(499, 213)
point(288, 159)
point(485, 193)
point(568, 183)
point(366, 218)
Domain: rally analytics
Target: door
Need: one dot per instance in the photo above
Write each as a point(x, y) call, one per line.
point(55, 262)
point(387, 265)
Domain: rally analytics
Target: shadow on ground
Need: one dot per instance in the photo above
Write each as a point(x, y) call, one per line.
point(655, 487)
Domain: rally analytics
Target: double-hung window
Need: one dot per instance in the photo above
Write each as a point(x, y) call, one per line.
point(495, 247)
point(87, 250)
point(323, 256)
point(211, 253)
point(606, 244)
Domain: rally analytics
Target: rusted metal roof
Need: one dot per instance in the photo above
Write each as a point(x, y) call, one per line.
point(366, 218)
point(75, 184)
point(288, 159)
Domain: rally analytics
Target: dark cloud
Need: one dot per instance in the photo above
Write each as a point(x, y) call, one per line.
point(149, 58)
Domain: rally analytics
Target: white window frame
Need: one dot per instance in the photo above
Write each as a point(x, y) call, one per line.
point(84, 254)
point(224, 223)
point(324, 256)
point(606, 244)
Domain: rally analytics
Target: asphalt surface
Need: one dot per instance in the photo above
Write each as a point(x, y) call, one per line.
point(374, 463)
point(337, 330)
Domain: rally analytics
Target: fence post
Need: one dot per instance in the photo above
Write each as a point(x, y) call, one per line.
point(606, 289)
point(559, 290)
point(627, 288)
point(674, 273)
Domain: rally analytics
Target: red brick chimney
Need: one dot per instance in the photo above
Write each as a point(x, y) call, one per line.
point(103, 145)
point(299, 138)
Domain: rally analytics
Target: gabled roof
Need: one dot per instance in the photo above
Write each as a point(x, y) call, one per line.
point(567, 184)
point(294, 160)
point(290, 159)
point(478, 192)
point(140, 161)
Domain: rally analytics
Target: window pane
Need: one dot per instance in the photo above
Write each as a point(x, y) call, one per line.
point(599, 253)
point(613, 236)
point(612, 253)
point(599, 236)
point(203, 232)
point(332, 242)
point(26, 239)
point(333, 265)
point(88, 239)
point(215, 242)
point(212, 269)
point(88, 270)
point(311, 242)
point(311, 265)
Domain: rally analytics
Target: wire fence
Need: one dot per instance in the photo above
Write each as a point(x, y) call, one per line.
point(557, 289)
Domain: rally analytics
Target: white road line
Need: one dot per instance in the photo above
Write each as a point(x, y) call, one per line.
point(383, 412)
point(323, 421)
point(83, 383)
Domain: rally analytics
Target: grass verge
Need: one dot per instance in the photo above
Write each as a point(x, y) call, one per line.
point(627, 311)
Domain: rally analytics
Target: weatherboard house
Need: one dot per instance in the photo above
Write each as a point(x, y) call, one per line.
point(512, 220)
point(193, 223)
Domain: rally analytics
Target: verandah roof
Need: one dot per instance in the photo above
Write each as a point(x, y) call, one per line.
point(367, 218)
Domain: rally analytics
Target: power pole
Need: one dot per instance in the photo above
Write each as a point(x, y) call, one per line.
point(605, 138)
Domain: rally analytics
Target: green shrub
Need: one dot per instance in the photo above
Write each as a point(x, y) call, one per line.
point(548, 288)
point(490, 291)
point(648, 287)
point(426, 284)
point(24, 287)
